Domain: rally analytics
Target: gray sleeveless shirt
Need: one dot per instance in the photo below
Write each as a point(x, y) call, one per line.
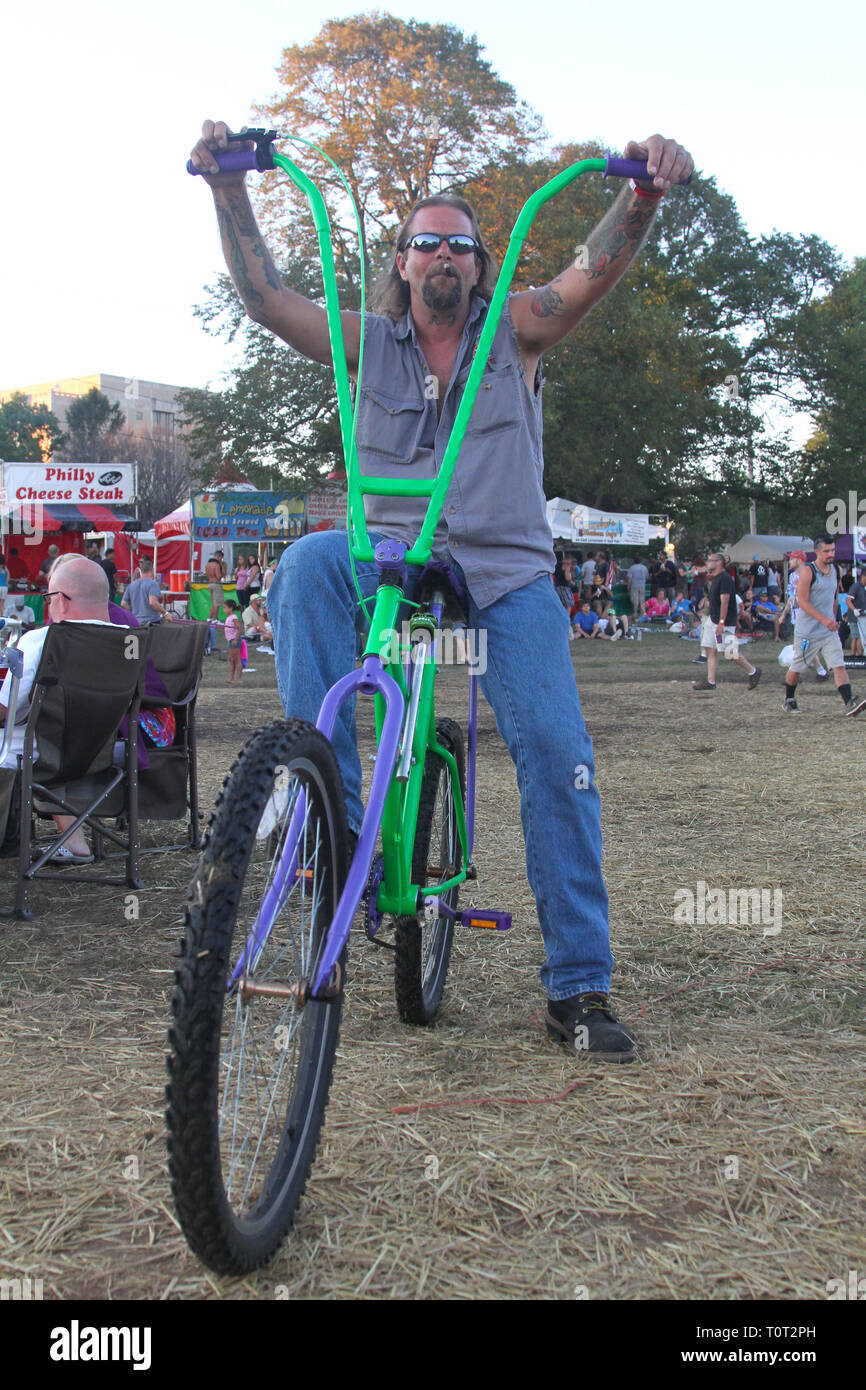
point(821, 596)
point(494, 522)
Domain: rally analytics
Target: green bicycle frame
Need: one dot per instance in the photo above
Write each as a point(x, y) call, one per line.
point(397, 894)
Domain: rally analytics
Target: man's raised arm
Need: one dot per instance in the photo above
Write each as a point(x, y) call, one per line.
point(298, 321)
point(544, 317)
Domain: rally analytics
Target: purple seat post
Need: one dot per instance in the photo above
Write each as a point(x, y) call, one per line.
point(471, 753)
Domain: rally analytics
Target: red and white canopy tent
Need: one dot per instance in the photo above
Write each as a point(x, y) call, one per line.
point(169, 530)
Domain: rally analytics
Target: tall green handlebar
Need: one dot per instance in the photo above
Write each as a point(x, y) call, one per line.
point(361, 485)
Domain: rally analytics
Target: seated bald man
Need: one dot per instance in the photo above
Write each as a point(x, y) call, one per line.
point(83, 599)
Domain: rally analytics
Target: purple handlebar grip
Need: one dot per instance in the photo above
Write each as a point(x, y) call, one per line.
point(628, 169)
point(229, 162)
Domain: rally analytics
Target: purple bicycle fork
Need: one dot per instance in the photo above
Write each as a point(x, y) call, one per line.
point(370, 679)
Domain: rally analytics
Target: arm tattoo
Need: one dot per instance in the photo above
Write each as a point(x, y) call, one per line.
point(237, 220)
point(272, 275)
point(237, 262)
point(622, 229)
point(242, 214)
point(245, 223)
point(547, 301)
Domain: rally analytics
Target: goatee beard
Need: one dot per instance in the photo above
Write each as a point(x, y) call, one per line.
point(442, 298)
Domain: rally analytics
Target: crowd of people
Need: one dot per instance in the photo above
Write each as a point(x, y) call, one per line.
point(721, 603)
point(143, 598)
point(677, 592)
point(607, 597)
point(820, 612)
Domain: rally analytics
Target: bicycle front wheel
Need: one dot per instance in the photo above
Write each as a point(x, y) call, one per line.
point(250, 1062)
point(423, 943)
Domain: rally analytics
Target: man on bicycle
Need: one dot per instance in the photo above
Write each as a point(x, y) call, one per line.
point(493, 533)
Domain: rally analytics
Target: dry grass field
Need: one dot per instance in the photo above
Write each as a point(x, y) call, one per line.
point(727, 1164)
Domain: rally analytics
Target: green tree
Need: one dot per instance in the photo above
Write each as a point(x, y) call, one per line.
point(94, 429)
point(829, 340)
point(164, 472)
point(28, 433)
point(629, 410)
point(405, 109)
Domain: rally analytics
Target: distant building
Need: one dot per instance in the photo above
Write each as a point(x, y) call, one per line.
point(150, 407)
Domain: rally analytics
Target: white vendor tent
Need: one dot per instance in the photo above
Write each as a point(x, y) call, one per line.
point(749, 548)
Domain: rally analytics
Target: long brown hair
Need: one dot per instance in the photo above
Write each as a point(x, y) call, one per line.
point(390, 295)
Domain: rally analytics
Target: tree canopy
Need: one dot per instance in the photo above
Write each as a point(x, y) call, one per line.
point(94, 429)
point(28, 433)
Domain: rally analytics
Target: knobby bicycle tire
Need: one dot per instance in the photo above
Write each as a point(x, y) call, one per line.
point(241, 1060)
point(423, 947)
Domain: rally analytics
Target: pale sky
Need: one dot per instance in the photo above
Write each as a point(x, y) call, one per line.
point(106, 243)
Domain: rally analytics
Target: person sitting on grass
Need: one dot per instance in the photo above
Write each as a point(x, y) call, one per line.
point(681, 611)
point(586, 622)
point(764, 613)
point(234, 637)
point(745, 613)
point(658, 606)
point(613, 627)
point(256, 626)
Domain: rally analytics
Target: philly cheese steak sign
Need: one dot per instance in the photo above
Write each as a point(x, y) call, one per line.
point(70, 483)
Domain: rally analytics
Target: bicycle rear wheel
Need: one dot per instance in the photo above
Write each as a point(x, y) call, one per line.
point(250, 1063)
point(423, 943)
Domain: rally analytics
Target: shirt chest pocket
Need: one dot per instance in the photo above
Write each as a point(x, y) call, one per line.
point(389, 428)
point(496, 406)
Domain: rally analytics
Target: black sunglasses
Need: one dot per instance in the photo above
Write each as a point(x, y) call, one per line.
point(52, 593)
point(458, 244)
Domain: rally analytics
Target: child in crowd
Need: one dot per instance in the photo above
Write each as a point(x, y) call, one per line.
point(234, 637)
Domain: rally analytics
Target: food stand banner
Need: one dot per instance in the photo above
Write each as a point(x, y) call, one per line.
point(326, 511)
point(614, 528)
point(72, 483)
point(247, 516)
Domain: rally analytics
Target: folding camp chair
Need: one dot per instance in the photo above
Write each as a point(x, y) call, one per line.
point(90, 678)
point(168, 787)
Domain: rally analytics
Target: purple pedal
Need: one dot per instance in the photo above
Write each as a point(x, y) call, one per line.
point(477, 917)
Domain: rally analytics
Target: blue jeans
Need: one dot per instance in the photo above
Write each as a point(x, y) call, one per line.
point(530, 686)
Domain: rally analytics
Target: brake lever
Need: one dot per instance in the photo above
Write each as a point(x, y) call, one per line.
point(263, 141)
